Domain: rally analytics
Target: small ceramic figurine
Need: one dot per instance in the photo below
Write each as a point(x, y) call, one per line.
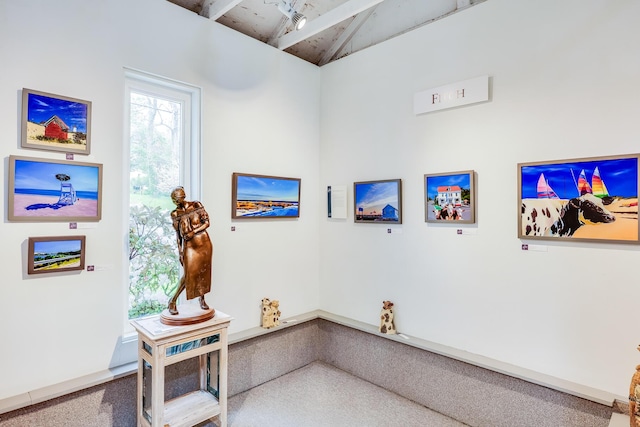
point(634, 398)
point(270, 313)
point(386, 318)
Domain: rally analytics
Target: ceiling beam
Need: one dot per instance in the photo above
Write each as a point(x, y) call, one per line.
point(346, 36)
point(327, 20)
point(214, 9)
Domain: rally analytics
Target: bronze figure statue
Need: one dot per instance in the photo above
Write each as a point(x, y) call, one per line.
point(191, 221)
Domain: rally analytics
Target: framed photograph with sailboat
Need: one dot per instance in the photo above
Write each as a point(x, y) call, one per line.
point(589, 199)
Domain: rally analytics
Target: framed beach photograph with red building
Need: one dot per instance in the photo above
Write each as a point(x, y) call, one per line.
point(450, 197)
point(264, 196)
point(378, 201)
point(45, 190)
point(55, 122)
point(589, 199)
point(55, 254)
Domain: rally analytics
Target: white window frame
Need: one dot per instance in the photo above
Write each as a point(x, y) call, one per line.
point(191, 165)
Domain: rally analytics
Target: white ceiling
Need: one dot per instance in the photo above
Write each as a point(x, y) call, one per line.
point(334, 28)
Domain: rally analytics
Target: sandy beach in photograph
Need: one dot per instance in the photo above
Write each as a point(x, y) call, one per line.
point(82, 208)
point(625, 227)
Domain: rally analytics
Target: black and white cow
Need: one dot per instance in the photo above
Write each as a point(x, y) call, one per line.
point(550, 217)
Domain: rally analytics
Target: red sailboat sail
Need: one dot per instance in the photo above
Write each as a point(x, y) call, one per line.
point(583, 184)
point(599, 189)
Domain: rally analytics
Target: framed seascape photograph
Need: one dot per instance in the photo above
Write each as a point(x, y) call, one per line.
point(55, 122)
point(55, 254)
point(378, 201)
point(450, 197)
point(264, 196)
point(45, 190)
point(590, 199)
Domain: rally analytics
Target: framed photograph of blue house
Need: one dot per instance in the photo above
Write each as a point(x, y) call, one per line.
point(378, 201)
point(264, 196)
point(55, 122)
point(590, 199)
point(450, 197)
point(45, 190)
point(55, 254)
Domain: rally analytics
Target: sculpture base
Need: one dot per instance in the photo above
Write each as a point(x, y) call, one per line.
point(188, 314)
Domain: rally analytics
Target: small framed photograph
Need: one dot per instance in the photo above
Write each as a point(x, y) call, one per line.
point(589, 199)
point(55, 254)
point(450, 197)
point(55, 122)
point(45, 190)
point(378, 201)
point(264, 196)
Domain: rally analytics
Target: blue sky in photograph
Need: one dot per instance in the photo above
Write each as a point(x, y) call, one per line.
point(262, 188)
point(620, 176)
point(377, 194)
point(42, 108)
point(57, 246)
point(433, 182)
point(32, 174)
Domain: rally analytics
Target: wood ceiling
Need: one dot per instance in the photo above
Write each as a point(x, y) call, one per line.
point(334, 28)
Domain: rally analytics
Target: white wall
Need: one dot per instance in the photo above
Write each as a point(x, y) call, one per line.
point(564, 85)
point(55, 328)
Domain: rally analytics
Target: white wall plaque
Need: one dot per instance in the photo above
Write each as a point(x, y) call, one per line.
point(452, 95)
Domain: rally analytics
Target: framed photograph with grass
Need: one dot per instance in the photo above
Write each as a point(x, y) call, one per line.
point(45, 190)
point(378, 201)
point(264, 196)
point(55, 122)
point(450, 197)
point(589, 199)
point(55, 254)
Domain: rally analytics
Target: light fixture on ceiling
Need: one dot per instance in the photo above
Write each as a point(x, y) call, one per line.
point(287, 10)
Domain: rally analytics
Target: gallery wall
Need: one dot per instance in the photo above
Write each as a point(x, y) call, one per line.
point(63, 326)
point(563, 85)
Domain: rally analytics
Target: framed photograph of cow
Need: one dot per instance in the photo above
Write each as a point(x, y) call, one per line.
point(55, 254)
point(55, 122)
point(450, 197)
point(378, 201)
point(589, 199)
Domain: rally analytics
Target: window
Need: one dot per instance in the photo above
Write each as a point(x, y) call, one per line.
point(162, 127)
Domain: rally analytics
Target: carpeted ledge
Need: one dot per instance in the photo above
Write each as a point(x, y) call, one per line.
point(464, 392)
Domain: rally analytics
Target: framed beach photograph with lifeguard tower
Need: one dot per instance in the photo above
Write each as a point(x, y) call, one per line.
point(55, 122)
point(589, 199)
point(45, 190)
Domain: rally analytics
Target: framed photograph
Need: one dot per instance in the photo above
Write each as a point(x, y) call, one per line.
point(378, 201)
point(263, 196)
point(450, 197)
point(590, 199)
point(55, 122)
point(55, 254)
point(45, 190)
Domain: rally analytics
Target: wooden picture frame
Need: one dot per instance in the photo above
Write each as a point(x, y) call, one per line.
point(46, 190)
point(55, 254)
point(588, 199)
point(450, 196)
point(55, 122)
point(264, 197)
point(378, 201)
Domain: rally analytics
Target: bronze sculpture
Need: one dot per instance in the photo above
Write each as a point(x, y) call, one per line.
point(190, 220)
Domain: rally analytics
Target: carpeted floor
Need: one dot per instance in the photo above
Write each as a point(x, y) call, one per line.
point(321, 395)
